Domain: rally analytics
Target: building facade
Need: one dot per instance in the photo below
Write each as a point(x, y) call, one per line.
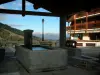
point(85, 25)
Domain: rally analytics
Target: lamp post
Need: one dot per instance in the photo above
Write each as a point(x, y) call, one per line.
point(42, 29)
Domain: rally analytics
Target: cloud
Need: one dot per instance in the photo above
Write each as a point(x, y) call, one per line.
point(2, 16)
point(28, 3)
point(2, 7)
point(19, 4)
point(45, 33)
point(15, 25)
point(49, 36)
point(36, 33)
point(16, 8)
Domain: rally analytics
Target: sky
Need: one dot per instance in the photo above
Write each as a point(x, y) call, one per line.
point(33, 22)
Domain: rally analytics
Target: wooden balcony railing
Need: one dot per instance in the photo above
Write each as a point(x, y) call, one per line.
point(91, 25)
point(89, 13)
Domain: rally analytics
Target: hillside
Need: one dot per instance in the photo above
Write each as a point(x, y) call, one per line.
point(14, 30)
point(12, 34)
point(9, 36)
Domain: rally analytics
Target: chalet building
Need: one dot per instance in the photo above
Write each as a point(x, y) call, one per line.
point(85, 25)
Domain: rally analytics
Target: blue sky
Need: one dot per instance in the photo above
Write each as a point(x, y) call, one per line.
point(51, 24)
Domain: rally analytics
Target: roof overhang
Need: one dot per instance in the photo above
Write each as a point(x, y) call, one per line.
point(61, 7)
point(26, 12)
point(5, 1)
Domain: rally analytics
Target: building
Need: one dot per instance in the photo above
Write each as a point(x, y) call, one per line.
point(85, 25)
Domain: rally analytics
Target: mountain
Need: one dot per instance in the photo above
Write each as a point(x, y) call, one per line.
point(49, 36)
point(12, 34)
point(14, 30)
point(9, 36)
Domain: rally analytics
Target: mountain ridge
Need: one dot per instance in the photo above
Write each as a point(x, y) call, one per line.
point(6, 30)
point(7, 27)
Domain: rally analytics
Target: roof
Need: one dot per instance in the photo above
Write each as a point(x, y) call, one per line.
point(63, 7)
point(5, 1)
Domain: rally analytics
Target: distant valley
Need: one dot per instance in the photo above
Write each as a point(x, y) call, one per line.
point(49, 36)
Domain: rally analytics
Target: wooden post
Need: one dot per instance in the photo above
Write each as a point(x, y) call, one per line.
point(86, 27)
point(69, 29)
point(74, 23)
point(23, 7)
point(62, 31)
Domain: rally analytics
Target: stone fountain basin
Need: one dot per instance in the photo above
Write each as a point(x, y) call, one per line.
point(40, 60)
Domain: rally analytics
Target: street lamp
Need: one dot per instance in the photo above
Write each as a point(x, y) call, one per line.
point(42, 29)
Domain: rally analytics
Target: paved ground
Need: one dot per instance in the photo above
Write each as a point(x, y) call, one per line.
point(91, 51)
point(13, 73)
point(10, 67)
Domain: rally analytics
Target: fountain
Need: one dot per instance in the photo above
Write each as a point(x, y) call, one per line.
point(40, 58)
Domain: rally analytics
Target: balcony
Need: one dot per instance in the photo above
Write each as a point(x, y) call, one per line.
point(91, 25)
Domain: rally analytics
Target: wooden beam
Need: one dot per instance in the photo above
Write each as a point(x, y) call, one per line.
point(6, 11)
point(62, 38)
point(5, 1)
point(74, 23)
point(23, 7)
point(86, 21)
